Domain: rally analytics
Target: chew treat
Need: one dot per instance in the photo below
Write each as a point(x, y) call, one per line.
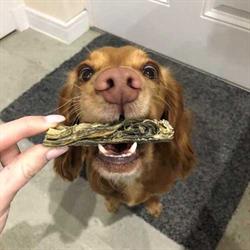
point(92, 134)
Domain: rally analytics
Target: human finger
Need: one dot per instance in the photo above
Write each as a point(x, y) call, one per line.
point(18, 173)
point(14, 131)
point(9, 154)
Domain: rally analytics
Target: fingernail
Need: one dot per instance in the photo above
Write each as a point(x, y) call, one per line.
point(54, 118)
point(55, 152)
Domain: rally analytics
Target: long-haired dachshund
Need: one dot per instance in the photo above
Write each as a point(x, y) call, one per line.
point(123, 83)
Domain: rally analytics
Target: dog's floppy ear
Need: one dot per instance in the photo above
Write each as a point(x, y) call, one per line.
point(69, 165)
point(180, 119)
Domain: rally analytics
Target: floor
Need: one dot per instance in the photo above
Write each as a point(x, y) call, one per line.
point(49, 213)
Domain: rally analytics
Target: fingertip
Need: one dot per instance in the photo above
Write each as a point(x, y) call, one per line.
point(55, 152)
point(54, 119)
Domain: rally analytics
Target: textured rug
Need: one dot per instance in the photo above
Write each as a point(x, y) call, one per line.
point(197, 211)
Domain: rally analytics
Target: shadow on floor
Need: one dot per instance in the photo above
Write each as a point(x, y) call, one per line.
point(78, 209)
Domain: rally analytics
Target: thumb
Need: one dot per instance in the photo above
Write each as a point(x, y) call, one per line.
point(19, 172)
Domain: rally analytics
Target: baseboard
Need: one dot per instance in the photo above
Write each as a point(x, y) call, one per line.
point(20, 17)
point(65, 32)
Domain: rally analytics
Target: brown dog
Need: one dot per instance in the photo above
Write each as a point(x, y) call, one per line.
point(118, 83)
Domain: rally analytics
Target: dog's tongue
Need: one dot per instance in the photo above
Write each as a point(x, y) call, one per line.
point(118, 148)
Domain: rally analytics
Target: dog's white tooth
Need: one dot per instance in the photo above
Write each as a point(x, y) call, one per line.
point(133, 148)
point(127, 154)
point(114, 156)
point(121, 155)
point(102, 149)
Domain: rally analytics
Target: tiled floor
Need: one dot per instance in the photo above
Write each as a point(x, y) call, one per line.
point(49, 213)
point(52, 214)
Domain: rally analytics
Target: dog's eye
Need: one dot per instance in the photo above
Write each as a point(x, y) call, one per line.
point(85, 73)
point(150, 71)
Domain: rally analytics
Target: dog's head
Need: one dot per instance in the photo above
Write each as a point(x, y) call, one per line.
point(120, 83)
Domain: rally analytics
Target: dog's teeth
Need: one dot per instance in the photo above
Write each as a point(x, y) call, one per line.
point(121, 155)
point(133, 148)
point(107, 153)
point(102, 149)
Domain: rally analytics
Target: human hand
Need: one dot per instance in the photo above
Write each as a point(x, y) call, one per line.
point(19, 168)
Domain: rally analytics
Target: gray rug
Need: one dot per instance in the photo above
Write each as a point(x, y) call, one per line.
point(197, 211)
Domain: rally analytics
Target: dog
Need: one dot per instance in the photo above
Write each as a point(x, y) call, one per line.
point(113, 84)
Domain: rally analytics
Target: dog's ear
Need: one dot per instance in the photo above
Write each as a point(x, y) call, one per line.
point(69, 165)
point(180, 119)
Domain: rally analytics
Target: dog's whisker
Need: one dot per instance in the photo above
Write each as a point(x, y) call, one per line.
point(163, 85)
point(74, 110)
point(78, 115)
point(86, 48)
point(157, 97)
point(61, 106)
point(76, 86)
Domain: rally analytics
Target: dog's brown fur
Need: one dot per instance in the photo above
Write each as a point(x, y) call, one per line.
point(162, 163)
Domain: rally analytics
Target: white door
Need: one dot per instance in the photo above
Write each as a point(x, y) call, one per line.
point(212, 35)
point(7, 21)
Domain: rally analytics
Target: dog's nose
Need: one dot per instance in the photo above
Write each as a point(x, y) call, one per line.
point(118, 85)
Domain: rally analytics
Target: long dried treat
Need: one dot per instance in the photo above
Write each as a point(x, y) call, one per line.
point(91, 134)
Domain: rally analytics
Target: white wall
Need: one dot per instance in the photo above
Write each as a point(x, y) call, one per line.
point(65, 20)
point(7, 20)
point(63, 10)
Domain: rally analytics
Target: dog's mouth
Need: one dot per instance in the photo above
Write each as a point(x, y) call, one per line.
point(118, 158)
point(122, 153)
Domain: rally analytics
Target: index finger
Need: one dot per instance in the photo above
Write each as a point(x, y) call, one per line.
point(14, 131)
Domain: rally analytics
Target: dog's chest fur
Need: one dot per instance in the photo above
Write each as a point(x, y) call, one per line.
point(131, 189)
